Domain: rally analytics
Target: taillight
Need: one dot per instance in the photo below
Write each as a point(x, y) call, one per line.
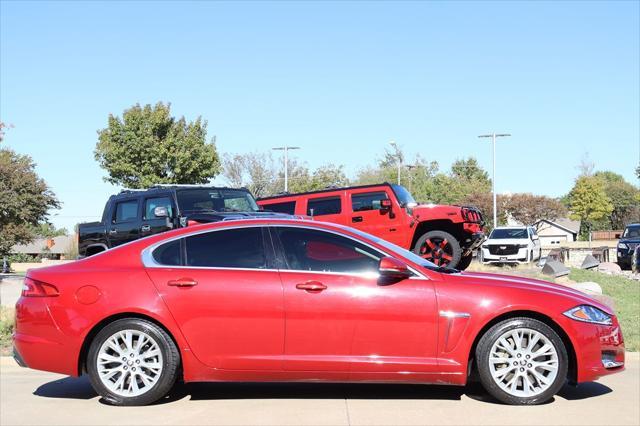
point(34, 288)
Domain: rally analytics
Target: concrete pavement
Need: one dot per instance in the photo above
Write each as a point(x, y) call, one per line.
point(34, 397)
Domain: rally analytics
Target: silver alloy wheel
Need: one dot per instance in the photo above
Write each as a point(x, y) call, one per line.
point(129, 363)
point(523, 362)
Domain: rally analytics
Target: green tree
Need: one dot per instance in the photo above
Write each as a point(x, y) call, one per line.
point(47, 230)
point(624, 198)
point(148, 146)
point(589, 202)
point(25, 200)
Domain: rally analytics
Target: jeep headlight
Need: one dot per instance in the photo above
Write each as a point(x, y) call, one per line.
point(587, 313)
point(622, 246)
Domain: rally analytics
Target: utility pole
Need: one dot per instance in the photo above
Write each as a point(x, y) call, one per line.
point(398, 156)
point(493, 137)
point(286, 163)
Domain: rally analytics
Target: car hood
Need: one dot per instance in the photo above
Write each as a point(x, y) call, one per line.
point(535, 285)
point(507, 241)
point(634, 240)
point(425, 210)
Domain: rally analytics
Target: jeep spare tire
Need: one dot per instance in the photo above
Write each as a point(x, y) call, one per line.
point(439, 247)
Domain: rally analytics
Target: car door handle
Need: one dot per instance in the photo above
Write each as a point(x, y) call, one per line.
point(113, 231)
point(356, 219)
point(145, 228)
point(183, 282)
point(311, 286)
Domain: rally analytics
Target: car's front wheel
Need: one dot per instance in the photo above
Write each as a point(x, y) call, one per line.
point(132, 361)
point(522, 361)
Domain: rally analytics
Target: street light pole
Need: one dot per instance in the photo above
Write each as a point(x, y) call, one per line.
point(286, 163)
point(493, 137)
point(399, 158)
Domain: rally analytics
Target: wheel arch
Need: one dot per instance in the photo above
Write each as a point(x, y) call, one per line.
point(446, 225)
point(84, 349)
point(572, 372)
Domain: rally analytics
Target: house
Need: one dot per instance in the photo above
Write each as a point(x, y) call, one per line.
point(52, 248)
point(558, 231)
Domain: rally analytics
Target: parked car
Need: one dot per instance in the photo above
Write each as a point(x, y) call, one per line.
point(134, 214)
point(444, 235)
point(511, 244)
point(628, 242)
point(298, 300)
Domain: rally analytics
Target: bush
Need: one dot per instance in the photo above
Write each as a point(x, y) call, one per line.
point(7, 322)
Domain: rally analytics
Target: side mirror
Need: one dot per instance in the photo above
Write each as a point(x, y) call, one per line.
point(393, 270)
point(535, 237)
point(385, 205)
point(161, 211)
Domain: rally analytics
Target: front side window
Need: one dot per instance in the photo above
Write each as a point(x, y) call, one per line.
point(324, 206)
point(230, 248)
point(631, 231)
point(313, 250)
point(126, 211)
point(151, 203)
point(367, 201)
point(288, 207)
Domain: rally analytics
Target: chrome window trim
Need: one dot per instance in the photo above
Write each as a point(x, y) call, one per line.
point(149, 262)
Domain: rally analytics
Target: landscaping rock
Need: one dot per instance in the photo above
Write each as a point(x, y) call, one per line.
point(609, 268)
point(589, 262)
point(555, 269)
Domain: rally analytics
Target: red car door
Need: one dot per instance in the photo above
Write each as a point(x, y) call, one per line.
point(226, 300)
point(369, 215)
point(337, 316)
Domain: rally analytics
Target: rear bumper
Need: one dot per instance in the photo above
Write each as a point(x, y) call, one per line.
point(38, 342)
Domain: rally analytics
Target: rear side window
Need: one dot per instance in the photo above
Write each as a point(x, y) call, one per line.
point(232, 248)
point(168, 254)
point(151, 203)
point(126, 211)
point(324, 206)
point(367, 201)
point(288, 207)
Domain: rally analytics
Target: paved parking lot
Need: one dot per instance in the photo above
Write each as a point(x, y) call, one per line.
point(34, 397)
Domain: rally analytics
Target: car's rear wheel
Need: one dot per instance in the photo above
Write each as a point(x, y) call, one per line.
point(439, 247)
point(132, 361)
point(522, 361)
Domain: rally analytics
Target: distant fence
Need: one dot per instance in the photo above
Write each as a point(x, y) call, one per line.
point(606, 235)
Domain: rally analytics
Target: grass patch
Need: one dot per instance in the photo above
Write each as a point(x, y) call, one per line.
point(626, 294)
point(6, 329)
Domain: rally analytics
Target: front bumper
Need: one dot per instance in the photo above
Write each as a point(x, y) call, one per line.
point(599, 350)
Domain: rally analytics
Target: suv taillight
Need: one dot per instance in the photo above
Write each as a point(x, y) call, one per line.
point(34, 288)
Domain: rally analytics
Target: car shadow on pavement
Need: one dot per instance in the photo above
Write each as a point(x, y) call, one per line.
point(80, 388)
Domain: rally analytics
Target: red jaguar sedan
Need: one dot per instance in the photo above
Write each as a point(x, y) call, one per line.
point(297, 300)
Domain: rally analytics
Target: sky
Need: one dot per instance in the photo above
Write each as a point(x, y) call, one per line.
point(338, 79)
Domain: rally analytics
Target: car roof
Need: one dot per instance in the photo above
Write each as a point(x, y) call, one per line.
point(321, 191)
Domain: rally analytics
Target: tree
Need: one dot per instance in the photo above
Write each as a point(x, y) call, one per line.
point(589, 202)
point(528, 208)
point(255, 171)
point(47, 230)
point(148, 146)
point(623, 197)
point(25, 199)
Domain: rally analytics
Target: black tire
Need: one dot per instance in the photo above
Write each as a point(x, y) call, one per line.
point(452, 248)
point(465, 261)
point(483, 353)
point(170, 362)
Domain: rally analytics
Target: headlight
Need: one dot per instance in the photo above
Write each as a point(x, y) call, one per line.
point(523, 245)
point(622, 246)
point(485, 246)
point(586, 313)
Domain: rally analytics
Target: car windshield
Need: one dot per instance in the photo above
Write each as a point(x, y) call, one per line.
point(632, 231)
point(219, 200)
point(503, 233)
point(404, 197)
